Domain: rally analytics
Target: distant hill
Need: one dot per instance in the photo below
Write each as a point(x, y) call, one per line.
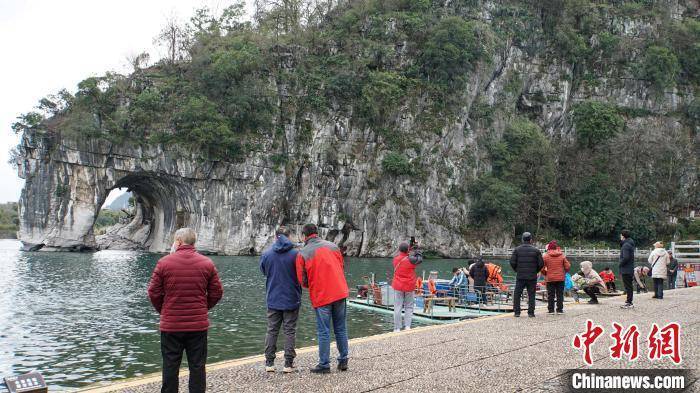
point(8, 220)
point(122, 202)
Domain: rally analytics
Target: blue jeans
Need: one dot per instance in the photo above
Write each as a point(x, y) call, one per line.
point(335, 312)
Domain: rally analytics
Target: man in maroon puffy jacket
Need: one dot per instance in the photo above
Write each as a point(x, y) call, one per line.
point(183, 287)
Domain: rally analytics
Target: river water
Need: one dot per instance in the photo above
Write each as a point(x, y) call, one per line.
point(82, 318)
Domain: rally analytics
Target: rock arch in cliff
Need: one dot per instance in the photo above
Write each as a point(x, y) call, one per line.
point(68, 180)
point(162, 205)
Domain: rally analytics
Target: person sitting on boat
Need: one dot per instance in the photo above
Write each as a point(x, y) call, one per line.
point(458, 282)
point(592, 283)
point(478, 272)
point(640, 277)
point(403, 284)
point(609, 277)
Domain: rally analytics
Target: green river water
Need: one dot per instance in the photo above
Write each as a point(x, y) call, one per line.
point(82, 318)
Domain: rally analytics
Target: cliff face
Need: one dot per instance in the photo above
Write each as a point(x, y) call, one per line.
point(235, 208)
point(332, 178)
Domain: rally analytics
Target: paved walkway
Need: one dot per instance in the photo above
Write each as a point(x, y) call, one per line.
point(494, 354)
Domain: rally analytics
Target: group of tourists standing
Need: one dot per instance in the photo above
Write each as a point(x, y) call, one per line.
point(319, 267)
point(528, 262)
point(185, 285)
point(662, 266)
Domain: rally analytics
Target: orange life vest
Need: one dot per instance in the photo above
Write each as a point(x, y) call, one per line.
point(431, 287)
point(419, 286)
point(495, 278)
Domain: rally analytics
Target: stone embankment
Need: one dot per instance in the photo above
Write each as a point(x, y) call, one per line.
point(491, 354)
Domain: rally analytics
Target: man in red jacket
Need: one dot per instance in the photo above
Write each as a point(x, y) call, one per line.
point(183, 287)
point(320, 269)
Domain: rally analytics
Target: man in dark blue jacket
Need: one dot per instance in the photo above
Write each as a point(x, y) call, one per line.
point(627, 265)
point(283, 298)
point(527, 262)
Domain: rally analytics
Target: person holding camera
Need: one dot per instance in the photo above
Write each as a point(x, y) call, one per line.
point(404, 283)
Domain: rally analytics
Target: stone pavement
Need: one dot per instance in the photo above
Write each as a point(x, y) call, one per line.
point(494, 354)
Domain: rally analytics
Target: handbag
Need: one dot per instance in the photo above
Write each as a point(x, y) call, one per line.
point(652, 266)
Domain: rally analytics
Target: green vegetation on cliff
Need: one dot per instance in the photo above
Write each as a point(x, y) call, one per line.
point(9, 222)
point(230, 87)
point(107, 218)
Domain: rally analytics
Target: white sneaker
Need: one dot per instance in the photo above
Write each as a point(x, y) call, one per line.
point(627, 306)
point(397, 330)
point(270, 369)
point(288, 369)
point(407, 328)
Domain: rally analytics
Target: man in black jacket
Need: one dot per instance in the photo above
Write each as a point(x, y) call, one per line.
point(672, 270)
point(479, 273)
point(527, 262)
point(627, 265)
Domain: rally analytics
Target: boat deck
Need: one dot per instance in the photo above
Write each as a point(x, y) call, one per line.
point(440, 313)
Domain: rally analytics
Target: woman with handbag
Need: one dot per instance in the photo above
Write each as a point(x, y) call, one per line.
point(658, 259)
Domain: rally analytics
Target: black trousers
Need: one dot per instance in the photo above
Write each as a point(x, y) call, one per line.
point(195, 345)
point(611, 286)
point(555, 288)
point(627, 282)
point(480, 294)
point(521, 284)
point(659, 287)
point(672, 280)
point(592, 291)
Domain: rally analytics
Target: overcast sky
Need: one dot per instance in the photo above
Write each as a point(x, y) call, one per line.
point(48, 45)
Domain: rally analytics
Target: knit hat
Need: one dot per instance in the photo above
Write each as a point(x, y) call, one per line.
point(552, 245)
point(527, 236)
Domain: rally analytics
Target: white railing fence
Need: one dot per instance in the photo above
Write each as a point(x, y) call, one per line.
point(568, 251)
point(686, 251)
